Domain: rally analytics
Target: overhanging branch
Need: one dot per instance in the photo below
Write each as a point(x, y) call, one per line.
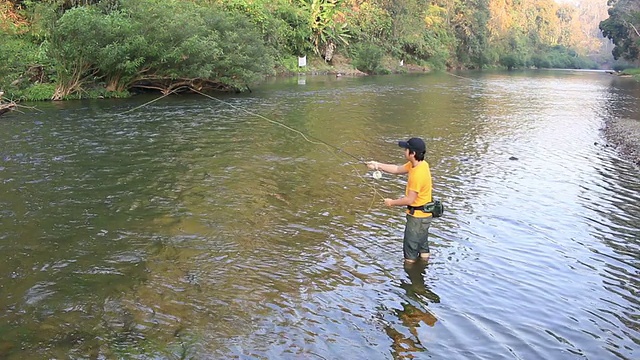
point(633, 27)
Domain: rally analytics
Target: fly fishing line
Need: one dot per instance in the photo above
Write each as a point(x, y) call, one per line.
point(376, 174)
point(152, 101)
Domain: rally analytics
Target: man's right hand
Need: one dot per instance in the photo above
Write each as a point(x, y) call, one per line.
point(372, 165)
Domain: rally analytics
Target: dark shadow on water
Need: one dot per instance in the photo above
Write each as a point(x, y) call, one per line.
point(404, 323)
point(416, 287)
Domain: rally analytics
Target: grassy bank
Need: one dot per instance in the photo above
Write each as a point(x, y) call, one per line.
point(632, 72)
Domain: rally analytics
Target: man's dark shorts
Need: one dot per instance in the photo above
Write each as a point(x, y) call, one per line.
point(416, 237)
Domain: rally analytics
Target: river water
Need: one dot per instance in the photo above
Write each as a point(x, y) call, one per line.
point(197, 228)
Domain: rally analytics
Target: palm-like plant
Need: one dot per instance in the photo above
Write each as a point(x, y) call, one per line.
point(327, 24)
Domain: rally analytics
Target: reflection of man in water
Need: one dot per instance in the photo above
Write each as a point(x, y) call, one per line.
point(416, 285)
point(413, 312)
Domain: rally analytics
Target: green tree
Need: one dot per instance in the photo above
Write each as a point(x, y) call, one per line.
point(370, 23)
point(327, 24)
point(74, 47)
point(470, 24)
point(117, 45)
point(156, 44)
point(623, 28)
point(23, 63)
point(367, 57)
point(294, 34)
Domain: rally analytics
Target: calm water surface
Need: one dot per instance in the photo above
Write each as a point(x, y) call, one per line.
point(191, 228)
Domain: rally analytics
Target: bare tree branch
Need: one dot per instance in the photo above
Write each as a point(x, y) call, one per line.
point(633, 27)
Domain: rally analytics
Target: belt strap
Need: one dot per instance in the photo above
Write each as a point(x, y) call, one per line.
point(412, 209)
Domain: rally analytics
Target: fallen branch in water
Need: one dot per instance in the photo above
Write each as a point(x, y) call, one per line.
point(10, 105)
point(6, 107)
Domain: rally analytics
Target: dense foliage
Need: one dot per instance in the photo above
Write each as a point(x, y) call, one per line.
point(623, 28)
point(77, 48)
point(158, 44)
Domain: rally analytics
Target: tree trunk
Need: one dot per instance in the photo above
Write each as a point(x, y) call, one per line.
point(60, 93)
point(114, 85)
point(329, 48)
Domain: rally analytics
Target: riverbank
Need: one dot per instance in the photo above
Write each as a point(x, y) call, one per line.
point(341, 66)
point(624, 135)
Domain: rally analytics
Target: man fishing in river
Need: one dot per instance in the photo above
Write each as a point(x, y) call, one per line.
point(418, 193)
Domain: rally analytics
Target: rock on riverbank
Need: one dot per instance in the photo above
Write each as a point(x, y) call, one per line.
point(624, 134)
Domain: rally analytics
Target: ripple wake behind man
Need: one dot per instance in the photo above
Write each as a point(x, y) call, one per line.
point(418, 193)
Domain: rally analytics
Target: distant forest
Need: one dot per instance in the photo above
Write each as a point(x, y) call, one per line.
point(62, 49)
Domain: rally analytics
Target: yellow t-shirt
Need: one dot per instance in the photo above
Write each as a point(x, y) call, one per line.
point(419, 180)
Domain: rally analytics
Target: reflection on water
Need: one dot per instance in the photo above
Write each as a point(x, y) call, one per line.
point(413, 313)
point(192, 229)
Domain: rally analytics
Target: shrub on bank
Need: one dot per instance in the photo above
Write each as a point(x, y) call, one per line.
point(23, 64)
point(156, 44)
point(37, 92)
point(367, 57)
point(559, 57)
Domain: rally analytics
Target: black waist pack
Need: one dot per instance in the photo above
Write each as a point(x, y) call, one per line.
point(436, 208)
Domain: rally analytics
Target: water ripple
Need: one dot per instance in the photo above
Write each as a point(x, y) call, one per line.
point(195, 229)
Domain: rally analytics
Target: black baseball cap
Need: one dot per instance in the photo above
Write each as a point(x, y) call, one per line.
point(414, 144)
